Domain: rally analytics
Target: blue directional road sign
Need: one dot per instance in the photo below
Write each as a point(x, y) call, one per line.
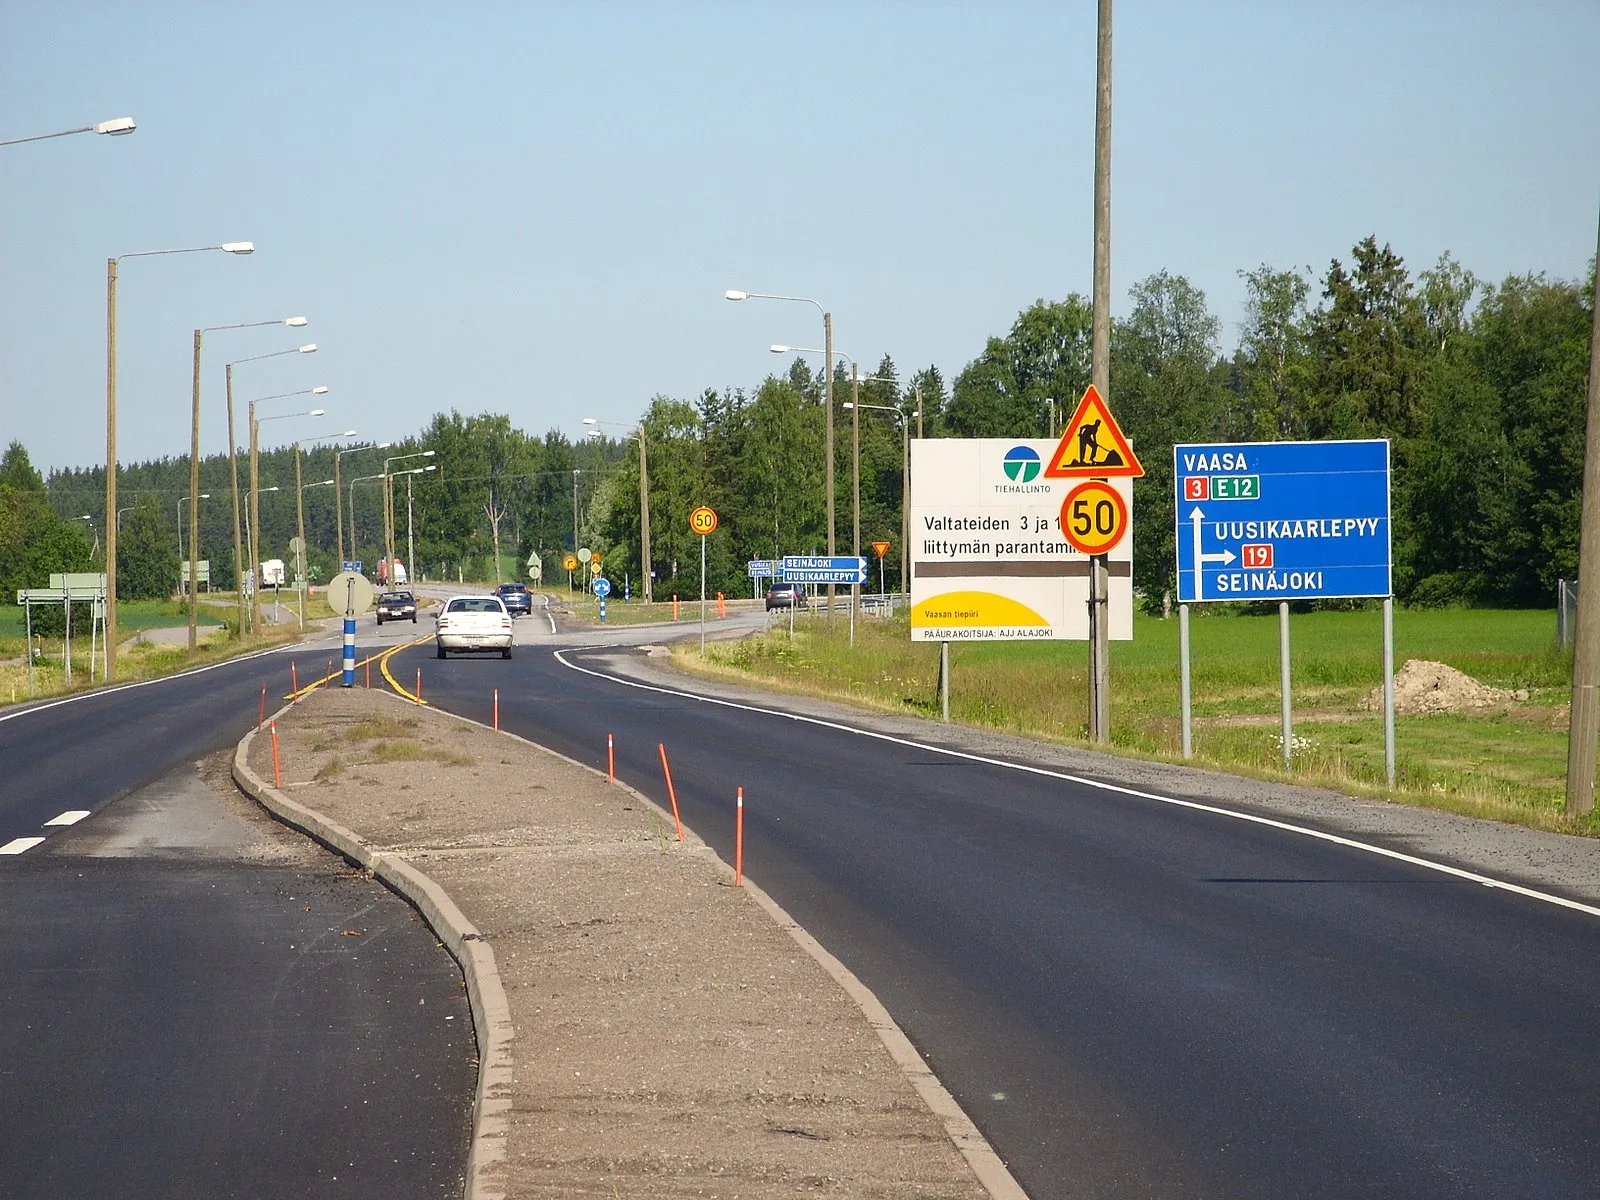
point(1282, 520)
point(846, 568)
point(761, 568)
point(601, 587)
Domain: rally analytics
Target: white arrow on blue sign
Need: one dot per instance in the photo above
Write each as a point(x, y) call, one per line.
point(761, 568)
point(845, 568)
point(602, 587)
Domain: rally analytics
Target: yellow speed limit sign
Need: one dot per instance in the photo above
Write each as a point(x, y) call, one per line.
point(1094, 517)
point(703, 521)
point(569, 562)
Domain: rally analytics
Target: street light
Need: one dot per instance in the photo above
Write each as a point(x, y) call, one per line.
point(827, 341)
point(181, 499)
point(233, 470)
point(300, 515)
point(338, 502)
point(111, 426)
point(255, 512)
point(194, 461)
point(388, 509)
point(644, 502)
point(116, 127)
point(905, 476)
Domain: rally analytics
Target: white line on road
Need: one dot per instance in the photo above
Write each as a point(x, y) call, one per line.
point(18, 845)
point(70, 817)
point(1194, 805)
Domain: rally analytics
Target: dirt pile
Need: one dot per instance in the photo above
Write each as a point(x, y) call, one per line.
point(1422, 687)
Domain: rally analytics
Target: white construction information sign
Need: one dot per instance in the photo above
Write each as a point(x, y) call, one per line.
point(988, 559)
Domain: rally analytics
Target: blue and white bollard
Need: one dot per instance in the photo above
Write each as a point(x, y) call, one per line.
point(602, 608)
point(349, 679)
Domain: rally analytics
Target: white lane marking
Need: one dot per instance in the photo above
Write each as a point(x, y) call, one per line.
point(18, 845)
point(1194, 805)
point(70, 817)
point(144, 683)
point(549, 616)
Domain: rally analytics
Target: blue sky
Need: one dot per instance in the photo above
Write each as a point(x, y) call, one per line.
point(535, 208)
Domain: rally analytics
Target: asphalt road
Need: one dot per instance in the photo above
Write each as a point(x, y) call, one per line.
point(1130, 997)
point(197, 1004)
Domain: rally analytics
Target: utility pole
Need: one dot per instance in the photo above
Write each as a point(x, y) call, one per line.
point(233, 474)
point(1100, 371)
point(645, 572)
point(1584, 726)
point(827, 436)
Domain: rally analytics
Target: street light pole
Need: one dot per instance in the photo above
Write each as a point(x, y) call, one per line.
point(194, 461)
point(827, 423)
point(905, 468)
point(255, 486)
point(644, 507)
point(111, 426)
point(388, 510)
point(233, 470)
point(338, 502)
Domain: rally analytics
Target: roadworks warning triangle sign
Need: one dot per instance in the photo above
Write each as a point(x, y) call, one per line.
point(1093, 446)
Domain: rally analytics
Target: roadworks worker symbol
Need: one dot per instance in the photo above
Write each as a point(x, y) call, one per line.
point(1093, 446)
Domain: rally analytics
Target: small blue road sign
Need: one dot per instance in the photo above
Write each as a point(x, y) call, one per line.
point(353, 568)
point(846, 568)
point(1282, 520)
point(602, 587)
point(761, 568)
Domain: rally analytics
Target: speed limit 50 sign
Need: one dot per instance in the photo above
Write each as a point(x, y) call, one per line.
point(1094, 517)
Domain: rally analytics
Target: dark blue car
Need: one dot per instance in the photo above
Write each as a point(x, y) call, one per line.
point(515, 596)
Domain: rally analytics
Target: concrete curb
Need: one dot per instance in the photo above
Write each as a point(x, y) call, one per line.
point(491, 1011)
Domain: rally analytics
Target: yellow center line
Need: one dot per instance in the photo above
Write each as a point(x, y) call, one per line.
point(381, 658)
point(383, 665)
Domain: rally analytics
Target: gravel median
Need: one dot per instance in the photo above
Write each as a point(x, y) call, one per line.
point(662, 1033)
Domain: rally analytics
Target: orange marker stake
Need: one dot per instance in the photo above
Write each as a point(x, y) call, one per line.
point(261, 718)
point(294, 684)
point(611, 759)
point(738, 843)
point(277, 771)
point(497, 710)
point(369, 672)
point(329, 675)
point(674, 608)
point(419, 685)
point(672, 792)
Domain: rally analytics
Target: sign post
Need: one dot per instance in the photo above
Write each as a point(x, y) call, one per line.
point(602, 589)
point(1093, 447)
point(349, 595)
point(1284, 521)
point(703, 521)
point(880, 549)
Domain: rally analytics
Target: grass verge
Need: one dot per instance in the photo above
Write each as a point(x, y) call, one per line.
point(1507, 763)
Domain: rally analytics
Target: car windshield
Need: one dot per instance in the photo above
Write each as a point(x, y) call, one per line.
point(475, 604)
point(511, 587)
point(395, 598)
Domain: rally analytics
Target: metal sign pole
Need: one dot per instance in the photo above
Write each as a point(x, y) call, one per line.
point(1185, 705)
point(702, 594)
point(1283, 682)
point(944, 681)
point(1388, 688)
point(27, 609)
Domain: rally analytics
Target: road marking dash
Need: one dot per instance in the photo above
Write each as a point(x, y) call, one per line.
point(18, 845)
point(70, 817)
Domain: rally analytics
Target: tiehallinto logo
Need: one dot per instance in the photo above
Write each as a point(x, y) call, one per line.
point(1022, 464)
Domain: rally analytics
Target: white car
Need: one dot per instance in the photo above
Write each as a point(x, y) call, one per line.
point(470, 624)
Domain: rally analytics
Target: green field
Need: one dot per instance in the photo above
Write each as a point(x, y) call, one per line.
point(1508, 761)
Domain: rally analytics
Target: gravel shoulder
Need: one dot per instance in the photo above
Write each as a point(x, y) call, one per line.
point(668, 1036)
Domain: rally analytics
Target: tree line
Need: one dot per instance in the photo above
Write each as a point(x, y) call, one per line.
point(1479, 386)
